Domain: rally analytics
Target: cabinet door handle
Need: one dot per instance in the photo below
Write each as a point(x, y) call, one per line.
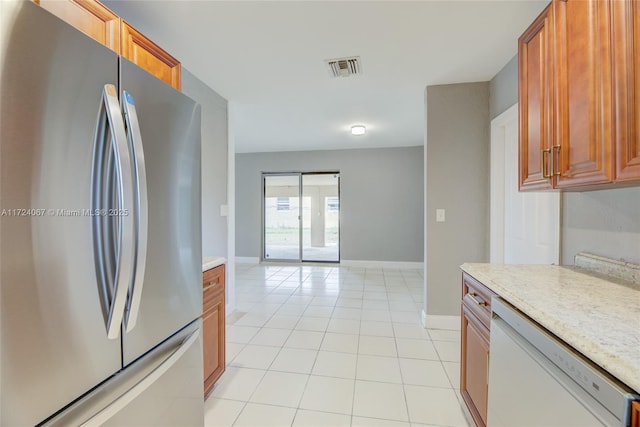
point(473, 296)
point(555, 171)
point(543, 163)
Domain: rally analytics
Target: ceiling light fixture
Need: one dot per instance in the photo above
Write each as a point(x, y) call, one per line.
point(358, 130)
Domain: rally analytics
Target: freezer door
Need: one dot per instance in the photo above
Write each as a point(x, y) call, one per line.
point(164, 388)
point(54, 340)
point(169, 127)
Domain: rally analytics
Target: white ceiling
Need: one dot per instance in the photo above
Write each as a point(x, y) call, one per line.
point(267, 59)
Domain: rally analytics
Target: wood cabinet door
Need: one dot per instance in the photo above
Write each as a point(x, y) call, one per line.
point(89, 16)
point(535, 89)
point(137, 48)
point(474, 366)
point(213, 331)
point(626, 78)
point(584, 133)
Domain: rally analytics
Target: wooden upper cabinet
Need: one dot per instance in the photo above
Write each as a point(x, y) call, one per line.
point(535, 107)
point(583, 106)
point(137, 48)
point(89, 16)
point(579, 95)
point(98, 22)
point(626, 77)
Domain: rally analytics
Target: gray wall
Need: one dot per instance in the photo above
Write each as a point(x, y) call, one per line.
point(457, 163)
point(381, 199)
point(503, 88)
point(214, 163)
point(604, 222)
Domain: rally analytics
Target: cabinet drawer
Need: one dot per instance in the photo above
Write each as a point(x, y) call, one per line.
point(213, 279)
point(477, 298)
point(212, 285)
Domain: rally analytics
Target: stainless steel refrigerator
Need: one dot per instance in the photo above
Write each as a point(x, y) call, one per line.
point(100, 236)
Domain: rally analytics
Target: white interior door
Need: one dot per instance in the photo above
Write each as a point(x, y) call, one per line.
point(525, 226)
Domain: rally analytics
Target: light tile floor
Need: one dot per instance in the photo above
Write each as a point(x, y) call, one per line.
point(334, 346)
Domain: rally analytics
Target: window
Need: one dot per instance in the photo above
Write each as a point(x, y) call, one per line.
point(283, 204)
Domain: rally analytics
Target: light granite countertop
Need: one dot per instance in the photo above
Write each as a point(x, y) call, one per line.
point(210, 262)
point(599, 318)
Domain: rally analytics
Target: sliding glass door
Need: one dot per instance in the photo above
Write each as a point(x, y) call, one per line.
point(281, 225)
point(301, 217)
point(321, 217)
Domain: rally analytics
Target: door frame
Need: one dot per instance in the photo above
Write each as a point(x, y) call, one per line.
point(300, 175)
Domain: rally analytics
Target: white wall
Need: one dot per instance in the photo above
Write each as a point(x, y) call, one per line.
point(381, 199)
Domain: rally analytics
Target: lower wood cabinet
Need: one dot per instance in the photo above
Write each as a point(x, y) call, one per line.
point(474, 366)
point(635, 414)
point(213, 325)
point(474, 358)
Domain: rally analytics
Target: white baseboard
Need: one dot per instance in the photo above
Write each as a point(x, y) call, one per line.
point(229, 308)
point(382, 264)
point(347, 263)
point(247, 260)
point(435, 321)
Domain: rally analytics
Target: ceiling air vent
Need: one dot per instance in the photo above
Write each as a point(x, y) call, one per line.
point(344, 67)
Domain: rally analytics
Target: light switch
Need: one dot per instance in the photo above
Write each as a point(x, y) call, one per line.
point(439, 215)
point(224, 210)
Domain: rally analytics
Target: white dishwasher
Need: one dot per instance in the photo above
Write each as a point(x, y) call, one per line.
point(536, 380)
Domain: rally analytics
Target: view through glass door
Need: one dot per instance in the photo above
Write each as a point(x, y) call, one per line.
point(281, 224)
point(301, 219)
point(321, 217)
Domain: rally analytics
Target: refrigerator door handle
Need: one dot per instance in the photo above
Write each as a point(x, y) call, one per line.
point(117, 405)
point(111, 203)
point(141, 211)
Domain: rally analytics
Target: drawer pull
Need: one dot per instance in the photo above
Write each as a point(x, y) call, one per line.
point(211, 284)
point(473, 296)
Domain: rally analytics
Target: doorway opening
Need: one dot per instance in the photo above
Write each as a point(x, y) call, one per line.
point(301, 217)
